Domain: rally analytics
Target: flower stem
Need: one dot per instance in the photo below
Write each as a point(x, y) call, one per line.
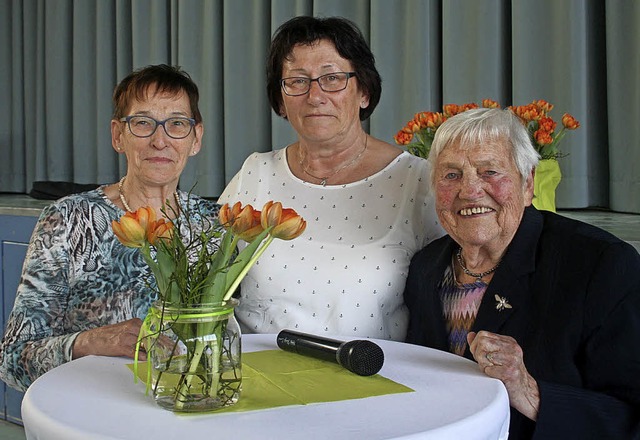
point(245, 270)
point(183, 391)
point(202, 330)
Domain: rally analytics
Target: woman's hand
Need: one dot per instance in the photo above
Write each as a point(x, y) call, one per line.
point(501, 357)
point(110, 340)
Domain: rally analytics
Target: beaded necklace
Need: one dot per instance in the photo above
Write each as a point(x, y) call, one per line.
point(124, 201)
point(478, 276)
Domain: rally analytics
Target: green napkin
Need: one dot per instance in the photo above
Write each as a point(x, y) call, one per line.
point(274, 378)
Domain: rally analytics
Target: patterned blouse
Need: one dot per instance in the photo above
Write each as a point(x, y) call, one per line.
point(460, 304)
point(76, 276)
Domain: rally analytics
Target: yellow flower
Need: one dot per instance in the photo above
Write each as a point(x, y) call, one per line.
point(286, 223)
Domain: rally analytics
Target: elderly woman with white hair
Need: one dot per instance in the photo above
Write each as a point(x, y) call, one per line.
point(548, 305)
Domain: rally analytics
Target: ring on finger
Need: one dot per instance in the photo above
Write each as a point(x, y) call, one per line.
point(489, 357)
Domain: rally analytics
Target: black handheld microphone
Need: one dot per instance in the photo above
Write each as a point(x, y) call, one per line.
point(360, 356)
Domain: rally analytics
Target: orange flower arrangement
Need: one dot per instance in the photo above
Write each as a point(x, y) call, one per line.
point(417, 135)
point(213, 276)
point(200, 268)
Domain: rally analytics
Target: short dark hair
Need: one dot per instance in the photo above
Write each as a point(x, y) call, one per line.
point(345, 36)
point(165, 78)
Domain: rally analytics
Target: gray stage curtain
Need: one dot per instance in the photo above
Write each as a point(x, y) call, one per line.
point(60, 60)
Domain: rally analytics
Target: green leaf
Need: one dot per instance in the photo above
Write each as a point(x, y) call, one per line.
point(244, 257)
point(216, 279)
point(165, 268)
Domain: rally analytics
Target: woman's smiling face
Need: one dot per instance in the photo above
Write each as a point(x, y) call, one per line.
point(480, 196)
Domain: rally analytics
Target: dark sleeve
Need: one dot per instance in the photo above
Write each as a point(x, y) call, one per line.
point(411, 295)
point(608, 404)
point(426, 323)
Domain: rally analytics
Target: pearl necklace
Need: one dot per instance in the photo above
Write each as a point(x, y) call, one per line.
point(478, 276)
point(323, 180)
point(124, 201)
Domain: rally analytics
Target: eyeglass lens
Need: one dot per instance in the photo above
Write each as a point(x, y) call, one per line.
point(143, 126)
point(331, 82)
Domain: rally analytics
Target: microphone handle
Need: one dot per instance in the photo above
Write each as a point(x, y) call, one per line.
point(309, 345)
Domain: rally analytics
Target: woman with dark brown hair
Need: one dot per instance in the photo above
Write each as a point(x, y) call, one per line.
point(367, 203)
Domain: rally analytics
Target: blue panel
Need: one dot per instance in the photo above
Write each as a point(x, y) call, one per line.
point(15, 232)
point(12, 258)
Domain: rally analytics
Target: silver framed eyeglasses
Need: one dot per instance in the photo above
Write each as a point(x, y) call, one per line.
point(331, 82)
point(145, 126)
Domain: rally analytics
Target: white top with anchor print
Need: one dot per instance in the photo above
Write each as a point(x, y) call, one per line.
point(345, 275)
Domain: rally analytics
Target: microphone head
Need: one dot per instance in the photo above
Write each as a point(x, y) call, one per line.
point(361, 357)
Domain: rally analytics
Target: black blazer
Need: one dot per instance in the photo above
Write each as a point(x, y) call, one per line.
point(575, 296)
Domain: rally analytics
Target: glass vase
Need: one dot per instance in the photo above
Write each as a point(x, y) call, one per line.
point(195, 356)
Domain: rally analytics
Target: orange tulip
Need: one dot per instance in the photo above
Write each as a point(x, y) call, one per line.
point(403, 138)
point(243, 222)
point(543, 137)
point(131, 230)
point(286, 222)
point(247, 225)
point(412, 126)
point(544, 106)
point(429, 119)
point(528, 112)
point(159, 230)
point(451, 109)
point(534, 116)
point(569, 122)
point(227, 215)
point(435, 120)
point(547, 124)
point(145, 216)
point(490, 103)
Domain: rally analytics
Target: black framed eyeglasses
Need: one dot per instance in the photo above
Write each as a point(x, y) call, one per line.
point(331, 82)
point(145, 126)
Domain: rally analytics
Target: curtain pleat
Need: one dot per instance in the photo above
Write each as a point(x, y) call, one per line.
point(61, 59)
point(622, 110)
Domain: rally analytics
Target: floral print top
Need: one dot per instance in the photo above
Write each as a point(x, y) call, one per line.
point(76, 276)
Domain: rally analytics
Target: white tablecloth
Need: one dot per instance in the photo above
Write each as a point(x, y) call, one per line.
point(95, 398)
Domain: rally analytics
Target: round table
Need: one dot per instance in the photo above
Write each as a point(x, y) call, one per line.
point(95, 398)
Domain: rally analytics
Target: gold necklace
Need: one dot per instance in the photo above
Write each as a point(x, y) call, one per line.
point(478, 276)
point(323, 180)
point(124, 201)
